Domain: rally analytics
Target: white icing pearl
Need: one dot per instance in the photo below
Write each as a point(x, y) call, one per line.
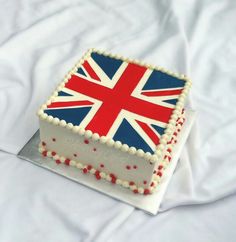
point(75, 129)
point(56, 157)
point(168, 131)
point(118, 144)
point(158, 153)
point(44, 116)
point(118, 181)
point(108, 178)
point(81, 131)
point(177, 112)
point(154, 158)
point(92, 171)
point(88, 134)
point(103, 139)
point(161, 147)
point(55, 93)
point(52, 99)
point(163, 141)
point(72, 163)
point(79, 165)
point(49, 154)
point(125, 184)
point(140, 152)
point(147, 155)
point(140, 190)
point(133, 187)
point(48, 102)
point(56, 121)
point(172, 122)
point(124, 147)
point(40, 112)
point(132, 150)
point(103, 175)
point(110, 142)
point(95, 136)
point(69, 126)
point(62, 123)
point(173, 116)
point(41, 149)
point(62, 159)
point(44, 106)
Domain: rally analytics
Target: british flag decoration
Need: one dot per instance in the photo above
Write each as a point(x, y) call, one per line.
point(124, 101)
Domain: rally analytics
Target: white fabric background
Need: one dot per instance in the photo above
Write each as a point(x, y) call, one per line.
point(41, 40)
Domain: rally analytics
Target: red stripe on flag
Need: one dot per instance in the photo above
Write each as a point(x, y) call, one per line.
point(162, 93)
point(90, 71)
point(116, 99)
point(69, 104)
point(149, 132)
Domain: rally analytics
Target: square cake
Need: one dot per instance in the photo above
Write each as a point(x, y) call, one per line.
point(115, 119)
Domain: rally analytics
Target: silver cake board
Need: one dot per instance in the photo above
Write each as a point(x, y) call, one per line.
point(149, 203)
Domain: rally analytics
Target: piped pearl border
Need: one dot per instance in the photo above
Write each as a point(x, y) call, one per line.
point(98, 174)
point(158, 154)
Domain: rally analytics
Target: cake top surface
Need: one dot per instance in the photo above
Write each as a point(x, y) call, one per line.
point(119, 99)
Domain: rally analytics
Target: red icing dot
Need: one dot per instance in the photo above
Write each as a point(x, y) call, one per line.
point(169, 150)
point(145, 182)
point(160, 167)
point(85, 170)
point(159, 173)
point(58, 161)
point(67, 162)
point(128, 167)
point(97, 175)
point(135, 190)
point(97, 172)
point(152, 184)
point(44, 153)
point(43, 143)
point(101, 165)
point(131, 183)
point(112, 175)
point(94, 149)
point(54, 153)
point(75, 155)
point(89, 167)
point(53, 139)
point(146, 191)
point(113, 180)
point(86, 141)
point(135, 167)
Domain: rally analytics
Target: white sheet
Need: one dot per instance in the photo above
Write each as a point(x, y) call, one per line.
point(41, 40)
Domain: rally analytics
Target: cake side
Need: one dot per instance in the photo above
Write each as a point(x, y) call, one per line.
point(67, 147)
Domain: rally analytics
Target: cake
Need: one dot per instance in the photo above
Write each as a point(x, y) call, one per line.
point(116, 119)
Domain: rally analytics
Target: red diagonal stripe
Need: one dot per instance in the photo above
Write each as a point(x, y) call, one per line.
point(69, 104)
point(162, 93)
point(90, 71)
point(149, 132)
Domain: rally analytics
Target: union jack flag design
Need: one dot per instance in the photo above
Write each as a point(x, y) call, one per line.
point(124, 101)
